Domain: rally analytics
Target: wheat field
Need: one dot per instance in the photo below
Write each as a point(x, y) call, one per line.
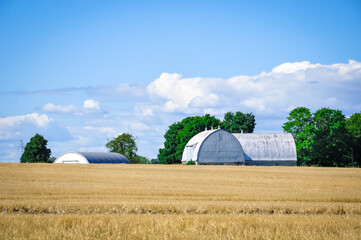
point(59, 201)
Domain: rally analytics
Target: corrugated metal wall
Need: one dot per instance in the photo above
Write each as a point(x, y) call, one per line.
point(275, 147)
point(221, 147)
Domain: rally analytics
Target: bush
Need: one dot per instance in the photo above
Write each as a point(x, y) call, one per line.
point(191, 162)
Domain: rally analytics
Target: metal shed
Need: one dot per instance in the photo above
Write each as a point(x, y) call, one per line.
point(215, 147)
point(268, 149)
point(92, 157)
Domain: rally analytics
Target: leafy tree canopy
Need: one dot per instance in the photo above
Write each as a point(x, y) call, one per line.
point(321, 138)
point(353, 125)
point(238, 122)
point(36, 150)
point(124, 144)
point(300, 124)
point(331, 144)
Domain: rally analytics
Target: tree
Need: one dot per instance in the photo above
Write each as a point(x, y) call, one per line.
point(332, 141)
point(124, 144)
point(238, 122)
point(300, 125)
point(353, 125)
point(143, 160)
point(167, 155)
point(51, 159)
point(321, 139)
point(36, 150)
point(179, 133)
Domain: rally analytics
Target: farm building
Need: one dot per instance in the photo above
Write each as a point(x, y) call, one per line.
point(268, 149)
point(91, 157)
point(221, 147)
point(214, 147)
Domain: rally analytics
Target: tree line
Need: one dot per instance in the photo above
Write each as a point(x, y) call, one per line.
point(323, 138)
point(326, 137)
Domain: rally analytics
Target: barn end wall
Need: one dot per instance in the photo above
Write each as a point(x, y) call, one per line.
point(220, 148)
point(71, 158)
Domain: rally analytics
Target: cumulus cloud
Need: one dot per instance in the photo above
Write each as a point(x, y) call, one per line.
point(26, 126)
point(287, 85)
point(51, 108)
point(34, 118)
point(184, 94)
point(91, 105)
point(288, 67)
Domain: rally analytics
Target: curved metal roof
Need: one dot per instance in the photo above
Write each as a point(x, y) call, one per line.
point(268, 146)
point(107, 157)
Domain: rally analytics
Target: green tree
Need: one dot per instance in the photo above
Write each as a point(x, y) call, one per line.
point(124, 144)
point(143, 160)
point(321, 139)
point(353, 125)
point(332, 141)
point(167, 155)
point(238, 122)
point(300, 125)
point(51, 159)
point(179, 133)
point(36, 150)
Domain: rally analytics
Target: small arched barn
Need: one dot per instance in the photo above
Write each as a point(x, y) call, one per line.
point(216, 147)
point(92, 157)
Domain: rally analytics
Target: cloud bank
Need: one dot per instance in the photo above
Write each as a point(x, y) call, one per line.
point(274, 93)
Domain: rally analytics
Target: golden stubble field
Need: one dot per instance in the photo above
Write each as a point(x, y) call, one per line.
point(56, 201)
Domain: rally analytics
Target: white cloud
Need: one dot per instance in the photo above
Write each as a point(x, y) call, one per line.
point(34, 118)
point(51, 108)
point(275, 92)
point(210, 100)
point(254, 103)
point(91, 105)
point(289, 68)
point(180, 93)
point(26, 126)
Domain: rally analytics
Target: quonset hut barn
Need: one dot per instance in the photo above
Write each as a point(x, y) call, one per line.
point(219, 147)
point(268, 149)
point(214, 147)
point(92, 157)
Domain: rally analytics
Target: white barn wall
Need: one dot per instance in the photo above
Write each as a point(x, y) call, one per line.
point(213, 147)
point(72, 157)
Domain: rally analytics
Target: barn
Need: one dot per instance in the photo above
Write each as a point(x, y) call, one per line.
point(218, 147)
point(92, 157)
point(268, 149)
point(214, 147)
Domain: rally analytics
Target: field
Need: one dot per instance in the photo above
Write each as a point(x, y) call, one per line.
point(56, 201)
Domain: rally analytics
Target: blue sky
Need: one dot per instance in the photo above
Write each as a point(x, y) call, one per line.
point(80, 72)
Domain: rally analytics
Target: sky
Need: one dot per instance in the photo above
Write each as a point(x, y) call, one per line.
point(82, 72)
